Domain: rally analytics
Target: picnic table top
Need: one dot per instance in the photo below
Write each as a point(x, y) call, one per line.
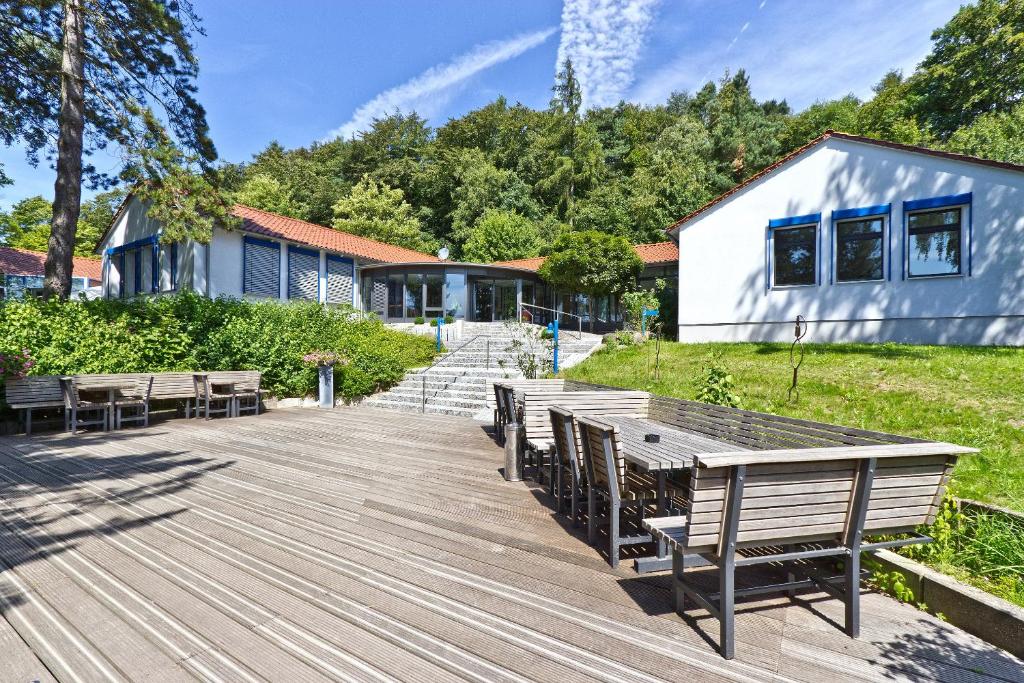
point(674, 451)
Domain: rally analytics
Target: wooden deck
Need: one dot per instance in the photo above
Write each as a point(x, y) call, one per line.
point(369, 545)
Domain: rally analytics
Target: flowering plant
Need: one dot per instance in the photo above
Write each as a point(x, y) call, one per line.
point(15, 365)
point(325, 358)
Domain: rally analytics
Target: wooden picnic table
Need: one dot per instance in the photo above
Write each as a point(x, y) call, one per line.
point(107, 387)
point(674, 452)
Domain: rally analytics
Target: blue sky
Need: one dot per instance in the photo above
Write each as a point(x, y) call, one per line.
point(304, 70)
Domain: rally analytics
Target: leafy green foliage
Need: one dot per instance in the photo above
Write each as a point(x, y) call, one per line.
point(715, 384)
point(190, 332)
point(27, 224)
point(264, 191)
point(501, 236)
point(374, 210)
point(995, 135)
point(975, 66)
point(95, 218)
point(636, 302)
point(591, 262)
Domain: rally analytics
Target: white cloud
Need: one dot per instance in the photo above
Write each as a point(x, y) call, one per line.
point(428, 91)
point(604, 39)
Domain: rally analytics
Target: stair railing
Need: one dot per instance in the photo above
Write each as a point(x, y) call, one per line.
point(437, 363)
point(558, 317)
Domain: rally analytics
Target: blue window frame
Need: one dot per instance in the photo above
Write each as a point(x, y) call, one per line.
point(793, 251)
point(138, 271)
point(860, 244)
point(936, 240)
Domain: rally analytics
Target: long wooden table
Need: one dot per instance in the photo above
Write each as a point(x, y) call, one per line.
point(673, 452)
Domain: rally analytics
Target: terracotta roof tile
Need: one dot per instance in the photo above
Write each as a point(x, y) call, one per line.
point(842, 136)
point(269, 224)
point(24, 262)
point(650, 254)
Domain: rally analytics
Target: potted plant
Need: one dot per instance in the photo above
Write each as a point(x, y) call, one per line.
point(325, 362)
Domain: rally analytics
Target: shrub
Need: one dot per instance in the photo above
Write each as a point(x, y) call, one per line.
point(433, 322)
point(190, 332)
point(449, 319)
point(419, 320)
point(715, 384)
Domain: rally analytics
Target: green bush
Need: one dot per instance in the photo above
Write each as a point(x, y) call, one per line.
point(419, 320)
point(449, 319)
point(190, 332)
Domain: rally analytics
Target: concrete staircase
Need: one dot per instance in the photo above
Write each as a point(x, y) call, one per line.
point(459, 382)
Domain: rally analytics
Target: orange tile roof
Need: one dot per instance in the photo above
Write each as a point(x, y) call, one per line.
point(294, 230)
point(767, 170)
point(24, 262)
point(650, 254)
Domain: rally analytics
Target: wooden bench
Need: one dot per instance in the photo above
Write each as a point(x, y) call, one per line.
point(245, 384)
point(621, 489)
point(176, 386)
point(32, 393)
point(517, 385)
point(788, 506)
point(536, 419)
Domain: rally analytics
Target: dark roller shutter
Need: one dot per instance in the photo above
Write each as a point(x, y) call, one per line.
point(262, 275)
point(303, 274)
point(339, 280)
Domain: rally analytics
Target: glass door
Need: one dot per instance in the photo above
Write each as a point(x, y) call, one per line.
point(396, 296)
point(433, 295)
point(505, 300)
point(483, 300)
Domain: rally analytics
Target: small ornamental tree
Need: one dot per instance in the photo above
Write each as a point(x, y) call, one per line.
point(592, 263)
point(501, 236)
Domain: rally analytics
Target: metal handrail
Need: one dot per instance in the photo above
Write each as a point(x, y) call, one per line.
point(558, 314)
point(445, 357)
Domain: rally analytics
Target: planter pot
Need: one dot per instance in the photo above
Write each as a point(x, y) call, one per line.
point(326, 373)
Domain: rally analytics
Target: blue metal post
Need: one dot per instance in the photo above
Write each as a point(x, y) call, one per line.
point(440, 321)
point(554, 328)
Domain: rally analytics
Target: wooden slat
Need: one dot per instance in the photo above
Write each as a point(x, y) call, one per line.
point(819, 454)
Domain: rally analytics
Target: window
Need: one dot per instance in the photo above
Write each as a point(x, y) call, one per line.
point(859, 251)
point(154, 269)
point(934, 242)
point(795, 255)
point(413, 295)
point(303, 274)
point(261, 271)
point(396, 292)
point(174, 266)
point(340, 272)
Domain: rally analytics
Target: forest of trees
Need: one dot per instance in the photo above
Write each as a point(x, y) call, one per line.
point(504, 181)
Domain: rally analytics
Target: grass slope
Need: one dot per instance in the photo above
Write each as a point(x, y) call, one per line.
point(965, 395)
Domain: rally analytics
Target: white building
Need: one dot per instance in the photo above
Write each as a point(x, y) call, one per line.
point(868, 240)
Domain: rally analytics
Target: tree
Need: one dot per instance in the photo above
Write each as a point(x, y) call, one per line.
point(592, 263)
point(996, 135)
point(975, 67)
point(95, 218)
point(262, 191)
point(838, 115)
point(81, 75)
point(27, 225)
point(480, 186)
point(889, 115)
point(501, 236)
point(374, 210)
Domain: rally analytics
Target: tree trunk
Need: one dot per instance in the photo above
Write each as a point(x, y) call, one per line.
point(67, 190)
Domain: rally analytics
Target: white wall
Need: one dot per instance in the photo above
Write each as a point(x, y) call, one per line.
point(722, 264)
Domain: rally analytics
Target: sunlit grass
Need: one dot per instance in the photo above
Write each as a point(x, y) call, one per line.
point(965, 395)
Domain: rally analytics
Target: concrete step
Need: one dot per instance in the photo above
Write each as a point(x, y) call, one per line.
point(415, 407)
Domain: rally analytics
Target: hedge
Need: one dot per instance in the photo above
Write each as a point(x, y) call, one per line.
point(190, 332)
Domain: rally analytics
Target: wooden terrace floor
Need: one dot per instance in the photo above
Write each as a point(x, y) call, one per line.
point(362, 544)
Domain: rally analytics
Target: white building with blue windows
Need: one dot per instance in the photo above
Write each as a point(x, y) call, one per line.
point(267, 257)
point(869, 241)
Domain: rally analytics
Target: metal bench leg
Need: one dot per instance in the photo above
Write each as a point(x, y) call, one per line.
point(28, 421)
point(614, 510)
point(574, 502)
point(726, 606)
point(853, 537)
point(591, 513)
point(551, 470)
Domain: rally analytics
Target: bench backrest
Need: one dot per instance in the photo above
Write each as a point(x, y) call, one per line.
point(520, 385)
point(168, 385)
point(108, 379)
point(815, 494)
point(244, 380)
point(537, 420)
point(761, 431)
point(506, 404)
point(35, 391)
point(567, 440)
point(602, 453)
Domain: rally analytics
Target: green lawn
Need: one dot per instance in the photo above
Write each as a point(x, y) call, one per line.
point(968, 396)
